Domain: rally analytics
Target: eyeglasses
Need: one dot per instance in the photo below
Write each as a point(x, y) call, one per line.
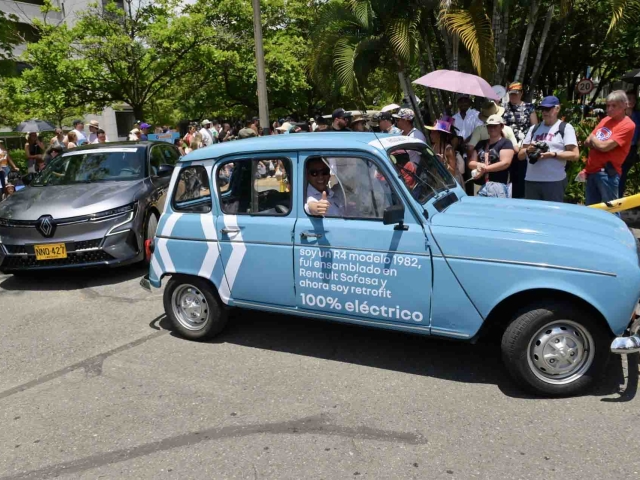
point(324, 172)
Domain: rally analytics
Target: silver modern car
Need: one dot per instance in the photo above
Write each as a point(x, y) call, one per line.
point(93, 205)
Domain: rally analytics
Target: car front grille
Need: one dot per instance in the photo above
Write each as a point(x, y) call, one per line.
point(71, 247)
point(16, 249)
point(73, 259)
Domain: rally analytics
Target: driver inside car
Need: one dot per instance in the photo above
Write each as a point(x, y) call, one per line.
point(322, 201)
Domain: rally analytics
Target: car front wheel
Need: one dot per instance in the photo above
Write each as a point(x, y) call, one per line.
point(555, 349)
point(193, 307)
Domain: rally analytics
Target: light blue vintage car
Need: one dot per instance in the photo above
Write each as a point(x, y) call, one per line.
point(394, 243)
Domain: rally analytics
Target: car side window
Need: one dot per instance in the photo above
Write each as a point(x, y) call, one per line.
point(156, 158)
point(355, 187)
point(192, 192)
point(171, 154)
point(255, 187)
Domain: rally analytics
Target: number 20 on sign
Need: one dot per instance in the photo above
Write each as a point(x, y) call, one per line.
point(584, 86)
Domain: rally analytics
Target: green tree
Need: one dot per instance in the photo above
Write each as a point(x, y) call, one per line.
point(353, 38)
point(140, 52)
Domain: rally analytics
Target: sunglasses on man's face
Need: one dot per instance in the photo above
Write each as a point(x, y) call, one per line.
point(324, 172)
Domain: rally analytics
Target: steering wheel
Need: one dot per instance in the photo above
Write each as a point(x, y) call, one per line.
point(282, 209)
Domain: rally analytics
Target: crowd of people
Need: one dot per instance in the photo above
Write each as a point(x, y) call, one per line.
point(498, 150)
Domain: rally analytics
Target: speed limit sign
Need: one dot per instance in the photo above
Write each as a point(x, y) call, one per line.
point(584, 86)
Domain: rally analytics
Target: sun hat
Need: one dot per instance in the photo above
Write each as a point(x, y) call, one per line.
point(390, 108)
point(94, 123)
point(515, 87)
point(285, 127)
point(442, 125)
point(550, 101)
point(405, 114)
point(358, 118)
point(495, 120)
point(490, 108)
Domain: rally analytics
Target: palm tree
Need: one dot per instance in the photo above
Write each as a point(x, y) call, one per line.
point(354, 37)
point(623, 11)
point(472, 25)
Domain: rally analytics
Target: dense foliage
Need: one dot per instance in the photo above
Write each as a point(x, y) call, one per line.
point(173, 61)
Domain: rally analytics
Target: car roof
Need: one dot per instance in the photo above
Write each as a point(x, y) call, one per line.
point(141, 144)
point(297, 141)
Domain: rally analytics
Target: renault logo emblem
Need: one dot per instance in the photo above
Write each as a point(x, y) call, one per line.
point(46, 226)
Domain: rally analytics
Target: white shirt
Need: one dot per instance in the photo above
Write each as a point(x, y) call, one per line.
point(207, 138)
point(81, 137)
point(93, 138)
point(336, 207)
point(413, 155)
point(550, 169)
point(467, 124)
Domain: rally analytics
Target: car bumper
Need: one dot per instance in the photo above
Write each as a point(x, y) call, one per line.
point(630, 343)
point(88, 245)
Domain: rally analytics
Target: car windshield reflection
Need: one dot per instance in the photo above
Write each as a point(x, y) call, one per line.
point(421, 171)
point(89, 167)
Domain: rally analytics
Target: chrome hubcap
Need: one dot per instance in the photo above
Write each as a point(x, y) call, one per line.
point(561, 352)
point(190, 307)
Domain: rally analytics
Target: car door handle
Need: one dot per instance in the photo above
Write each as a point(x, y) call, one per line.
point(304, 235)
point(227, 231)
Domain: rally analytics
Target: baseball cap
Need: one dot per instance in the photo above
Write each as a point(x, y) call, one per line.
point(339, 113)
point(286, 126)
point(515, 87)
point(144, 125)
point(405, 114)
point(386, 116)
point(203, 123)
point(76, 122)
point(550, 101)
point(495, 120)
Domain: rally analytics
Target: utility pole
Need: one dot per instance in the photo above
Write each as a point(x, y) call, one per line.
point(263, 102)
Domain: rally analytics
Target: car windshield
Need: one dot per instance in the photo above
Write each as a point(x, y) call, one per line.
point(102, 165)
point(421, 171)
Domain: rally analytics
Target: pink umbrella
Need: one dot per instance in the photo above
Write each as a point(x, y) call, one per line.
point(458, 82)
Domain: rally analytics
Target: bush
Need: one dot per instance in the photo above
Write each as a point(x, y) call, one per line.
point(20, 159)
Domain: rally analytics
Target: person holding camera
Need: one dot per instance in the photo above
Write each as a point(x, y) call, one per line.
point(547, 148)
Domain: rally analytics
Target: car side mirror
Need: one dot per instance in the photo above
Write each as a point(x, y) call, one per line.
point(165, 170)
point(394, 215)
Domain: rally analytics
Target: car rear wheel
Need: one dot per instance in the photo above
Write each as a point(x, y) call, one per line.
point(193, 307)
point(555, 349)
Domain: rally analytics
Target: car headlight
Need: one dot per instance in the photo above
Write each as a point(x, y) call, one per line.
point(114, 212)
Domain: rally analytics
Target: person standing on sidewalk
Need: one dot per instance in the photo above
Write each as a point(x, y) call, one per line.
point(632, 158)
point(546, 177)
point(609, 146)
point(520, 116)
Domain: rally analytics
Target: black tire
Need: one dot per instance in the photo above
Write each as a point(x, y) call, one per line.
point(556, 329)
point(148, 232)
point(212, 315)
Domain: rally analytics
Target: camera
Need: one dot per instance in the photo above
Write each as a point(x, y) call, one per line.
point(540, 147)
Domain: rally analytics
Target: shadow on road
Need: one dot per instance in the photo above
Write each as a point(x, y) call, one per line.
point(385, 349)
point(54, 280)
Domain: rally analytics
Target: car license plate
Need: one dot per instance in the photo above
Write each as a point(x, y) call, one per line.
point(50, 251)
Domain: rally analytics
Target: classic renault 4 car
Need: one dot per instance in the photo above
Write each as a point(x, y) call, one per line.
point(373, 230)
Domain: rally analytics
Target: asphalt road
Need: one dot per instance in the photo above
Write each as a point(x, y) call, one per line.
point(93, 385)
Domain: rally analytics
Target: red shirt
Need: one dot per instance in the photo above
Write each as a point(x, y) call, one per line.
point(621, 131)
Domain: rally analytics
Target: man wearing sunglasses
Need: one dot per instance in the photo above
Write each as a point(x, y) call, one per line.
point(546, 178)
point(321, 201)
